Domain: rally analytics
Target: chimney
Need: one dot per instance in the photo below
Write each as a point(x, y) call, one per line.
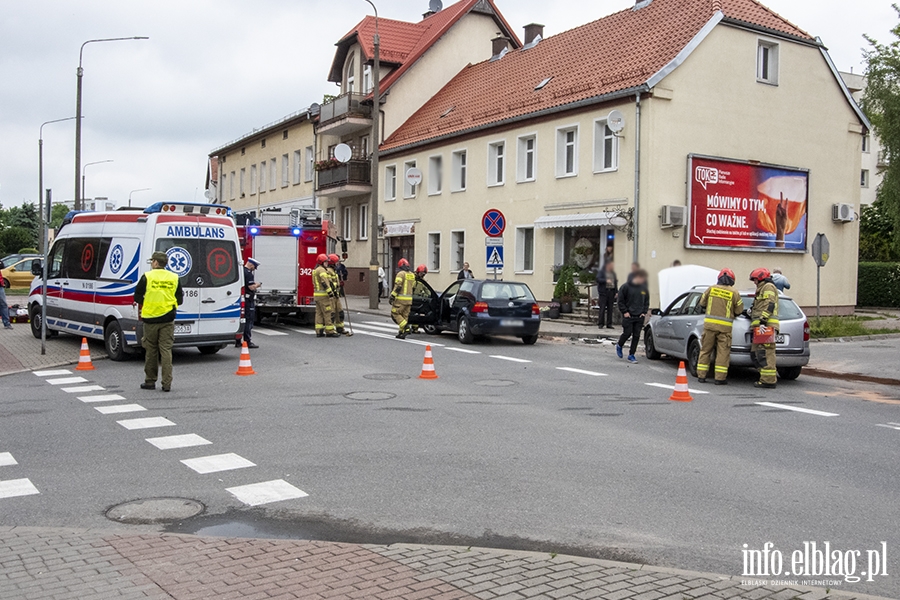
point(532, 31)
point(500, 43)
point(428, 14)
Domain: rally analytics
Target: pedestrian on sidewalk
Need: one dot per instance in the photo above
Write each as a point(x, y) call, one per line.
point(158, 295)
point(4, 307)
point(780, 281)
point(250, 287)
point(607, 288)
point(634, 304)
point(382, 280)
point(722, 303)
point(466, 272)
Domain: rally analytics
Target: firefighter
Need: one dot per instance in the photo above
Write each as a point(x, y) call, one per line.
point(765, 312)
point(336, 271)
point(420, 290)
point(323, 296)
point(401, 297)
point(722, 303)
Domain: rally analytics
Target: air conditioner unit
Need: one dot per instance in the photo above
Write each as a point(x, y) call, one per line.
point(672, 216)
point(842, 213)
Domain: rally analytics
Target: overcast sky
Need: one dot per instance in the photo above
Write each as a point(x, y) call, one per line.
point(214, 70)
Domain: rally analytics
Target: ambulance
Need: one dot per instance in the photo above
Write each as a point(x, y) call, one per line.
point(98, 258)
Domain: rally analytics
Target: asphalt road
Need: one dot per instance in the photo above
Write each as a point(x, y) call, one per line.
point(505, 449)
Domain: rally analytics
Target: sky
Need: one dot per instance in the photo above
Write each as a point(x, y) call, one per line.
point(215, 70)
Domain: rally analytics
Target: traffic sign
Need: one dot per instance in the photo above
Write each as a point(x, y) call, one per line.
point(494, 257)
point(494, 223)
point(493, 241)
point(821, 249)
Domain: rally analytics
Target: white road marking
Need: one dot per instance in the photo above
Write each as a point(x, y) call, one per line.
point(582, 372)
point(256, 494)
point(304, 331)
point(808, 411)
point(146, 423)
point(101, 398)
point(387, 336)
point(54, 373)
point(463, 350)
point(510, 358)
point(171, 442)
point(218, 462)
point(119, 408)
point(269, 332)
point(83, 388)
point(383, 328)
point(672, 387)
point(381, 324)
point(894, 426)
point(17, 487)
point(7, 460)
point(66, 380)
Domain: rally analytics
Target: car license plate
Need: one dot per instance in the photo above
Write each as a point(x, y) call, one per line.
point(511, 323)
point(182, 328)
point(781, 339)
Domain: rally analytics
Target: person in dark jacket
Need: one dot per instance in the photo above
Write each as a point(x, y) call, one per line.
point(634, 304)
point(607, 287)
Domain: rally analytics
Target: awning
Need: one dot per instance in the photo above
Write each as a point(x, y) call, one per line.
point(585, 220)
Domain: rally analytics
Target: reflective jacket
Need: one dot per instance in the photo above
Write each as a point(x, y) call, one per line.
point(722, 304)
point(404, 284)
point(159, 294)
point(321, 282)
point(765, 306)
point(335, 280)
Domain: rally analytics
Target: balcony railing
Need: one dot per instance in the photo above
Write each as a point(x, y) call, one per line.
point(355, 172)
point(348, 105)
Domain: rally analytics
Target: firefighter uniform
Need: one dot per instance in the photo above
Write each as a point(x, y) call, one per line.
point(722, 303)
point(336, 313)
point(401, 300)
point(765, 312)
point(324, 304)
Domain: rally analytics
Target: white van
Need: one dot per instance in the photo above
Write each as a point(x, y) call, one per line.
point(98, 257)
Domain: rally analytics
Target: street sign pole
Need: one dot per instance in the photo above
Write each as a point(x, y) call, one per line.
point(821, 250)
point(818, 292)
point(44, 227)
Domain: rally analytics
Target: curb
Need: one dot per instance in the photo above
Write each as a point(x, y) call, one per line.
point(860, 338)
point(50, 366)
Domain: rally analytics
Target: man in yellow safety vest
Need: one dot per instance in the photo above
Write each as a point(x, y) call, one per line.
point(158, 294)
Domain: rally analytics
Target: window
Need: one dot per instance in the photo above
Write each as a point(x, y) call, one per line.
point(435, 175)
point(351, 76)
point(524, 249)
point(263, 177)
point(460, 169)
point(204, 253)
point(606, 148)
point(458, 249)
point(254, 182)
point(243, 151)
point(525, 171)
point(496, 163)
point(263, 143)
point(243, 178)
point(567, 152)
point(434, 251)
point(767, 62)
point(368, 82)
point(363, 221)
point(222, 189)
point(285, 170)
point(347, 224)
point(864, 178)
point(310, 165)
point(284, 134)
point(364, 147)
point(231, 186)
point(390, 183)
point(273, 173)
point(409, 191)
point(866, 143)
point(55, 261)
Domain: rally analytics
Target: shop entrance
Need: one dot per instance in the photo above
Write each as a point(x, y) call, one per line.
point(402, 247)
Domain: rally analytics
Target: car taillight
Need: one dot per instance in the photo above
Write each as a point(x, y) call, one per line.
point(535, 309)
point(480, 307)
point(806, 331)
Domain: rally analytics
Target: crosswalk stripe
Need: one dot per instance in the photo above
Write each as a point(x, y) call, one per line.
point(53, 373)
point(808, 411)
point(83, 388)
point(17, 487)
point(7, 460)
point(269, 332)
point(66, 380)
point(304, 331)
point(119, 408)
point(101, 398)
point(382, 328)
point(266, 492)
point(146, 423)
point(170, 442)
point(218, 462)
point(582, 371)
point(672, 387)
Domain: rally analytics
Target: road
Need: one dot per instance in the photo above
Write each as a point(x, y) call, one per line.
point(556, 447)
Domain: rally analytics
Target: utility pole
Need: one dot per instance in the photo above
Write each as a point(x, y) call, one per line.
point(373, 202)
point(41, 175)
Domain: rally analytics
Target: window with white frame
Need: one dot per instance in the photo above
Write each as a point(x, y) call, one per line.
point(390, 182)
point(273, 174)
point(434, 251)
point(363, 222)
point(767, 62)
point(285, 170)
point(347, 223)
point(864, 178)
point(866, 143)
point(409, 191)
point(567, 152)
point(254, 181)
point(435, 175)
point(496, 163)
point(295, 167)
point(527, 158)
point(368, 82)
point(231, 186)
point(606, 148)
point(524, 249)
point(351, 76)
point(310, 171)
point(458, 249)
point(460, 171)
point(243, 182)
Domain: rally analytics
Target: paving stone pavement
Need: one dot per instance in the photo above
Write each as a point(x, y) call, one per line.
point(64, 564)
point(21, 351)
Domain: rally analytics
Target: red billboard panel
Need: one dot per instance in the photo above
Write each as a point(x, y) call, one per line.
point(743, 206)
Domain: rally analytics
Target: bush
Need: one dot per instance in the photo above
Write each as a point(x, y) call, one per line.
point(565, 286)
point(28, 251)
point(878, 284)
point(13, 238)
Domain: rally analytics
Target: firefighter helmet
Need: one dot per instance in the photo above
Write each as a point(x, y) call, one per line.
point(760, 274)
point(321, 259)
point(726, 277)
point(402, 263)
point(422, 270)
point(334, 259)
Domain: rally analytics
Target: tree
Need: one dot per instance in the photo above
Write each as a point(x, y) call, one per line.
point(24, 217)
point(57, 214)
point(12, 239)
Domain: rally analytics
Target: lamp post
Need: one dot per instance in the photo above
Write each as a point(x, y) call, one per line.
point(41, 175)
point(134, 192)
point(83, 170)
point(79, 77)
point(373, 202)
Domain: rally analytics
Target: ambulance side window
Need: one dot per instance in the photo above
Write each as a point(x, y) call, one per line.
point(80, 258)
point(55, 260)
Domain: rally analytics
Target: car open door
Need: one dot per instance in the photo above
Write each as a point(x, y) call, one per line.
point(425, 306)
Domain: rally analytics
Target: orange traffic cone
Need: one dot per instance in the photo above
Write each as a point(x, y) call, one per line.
point(681, 393)
point(84, 358)
point(245, 368)
point(428, 366)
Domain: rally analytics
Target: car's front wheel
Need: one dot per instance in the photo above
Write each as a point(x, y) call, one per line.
point(432, 329)
point(114, 339)
point(35, 314)
point(6, 283)
point(650, 346)
point(693, 356)
point(789, 373)
point(464, 332)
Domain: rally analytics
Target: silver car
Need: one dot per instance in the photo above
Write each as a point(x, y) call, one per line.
point(677, 332)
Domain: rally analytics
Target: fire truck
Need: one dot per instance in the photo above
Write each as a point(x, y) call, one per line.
point(287, 255)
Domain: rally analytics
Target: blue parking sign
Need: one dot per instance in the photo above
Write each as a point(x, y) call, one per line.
point(494, 257)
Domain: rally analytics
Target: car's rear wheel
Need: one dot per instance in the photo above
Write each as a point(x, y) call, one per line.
point(789, 373)
point(464, 332)
point(650, 346)
point(693, 356)
point(114, 339)
point(530, 340)
point(208, 350)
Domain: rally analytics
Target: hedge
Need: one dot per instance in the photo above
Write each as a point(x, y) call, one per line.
point(879, 284)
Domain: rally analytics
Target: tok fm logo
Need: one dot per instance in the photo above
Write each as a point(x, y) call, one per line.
point(706, 176)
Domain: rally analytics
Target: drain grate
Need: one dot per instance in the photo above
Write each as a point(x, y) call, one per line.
point(370, 396)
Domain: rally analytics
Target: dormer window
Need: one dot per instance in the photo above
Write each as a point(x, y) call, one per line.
point(351, 76)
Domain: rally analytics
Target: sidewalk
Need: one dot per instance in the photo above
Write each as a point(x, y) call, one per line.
point(41, 563)
point(21, 351)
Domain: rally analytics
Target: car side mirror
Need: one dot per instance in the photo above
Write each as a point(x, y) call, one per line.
point(656, 312)
point(37, 268)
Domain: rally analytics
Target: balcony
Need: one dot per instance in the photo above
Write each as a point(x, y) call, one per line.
point(345, 115)
point(351, 179)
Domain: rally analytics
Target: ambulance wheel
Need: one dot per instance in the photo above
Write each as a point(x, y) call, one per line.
point(464, 332)
point(35, 314)
point(208, 350)
point(114, 339)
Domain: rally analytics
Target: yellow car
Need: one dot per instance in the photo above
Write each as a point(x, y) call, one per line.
point(18, 274)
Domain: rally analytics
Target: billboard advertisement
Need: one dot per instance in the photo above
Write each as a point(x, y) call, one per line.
point(739, 205)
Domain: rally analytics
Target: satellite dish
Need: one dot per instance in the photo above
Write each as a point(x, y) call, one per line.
point(414, 176)
point(435, 6)
point(343, 153)
point(615, 121)
point(208, 194)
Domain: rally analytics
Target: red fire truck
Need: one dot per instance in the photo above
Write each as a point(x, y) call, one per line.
point(287, 255)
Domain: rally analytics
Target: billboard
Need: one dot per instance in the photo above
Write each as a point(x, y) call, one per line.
point(738, 205)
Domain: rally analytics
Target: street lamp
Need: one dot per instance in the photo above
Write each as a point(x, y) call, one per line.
point(83, 186)
point(373, 202)
point(41, 174)
point(79, 76)
point(134, 192)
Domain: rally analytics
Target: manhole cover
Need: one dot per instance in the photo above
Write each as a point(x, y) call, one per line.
point(154, 510)
point(495, 383)
point(385, 377)
point(370, 396)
